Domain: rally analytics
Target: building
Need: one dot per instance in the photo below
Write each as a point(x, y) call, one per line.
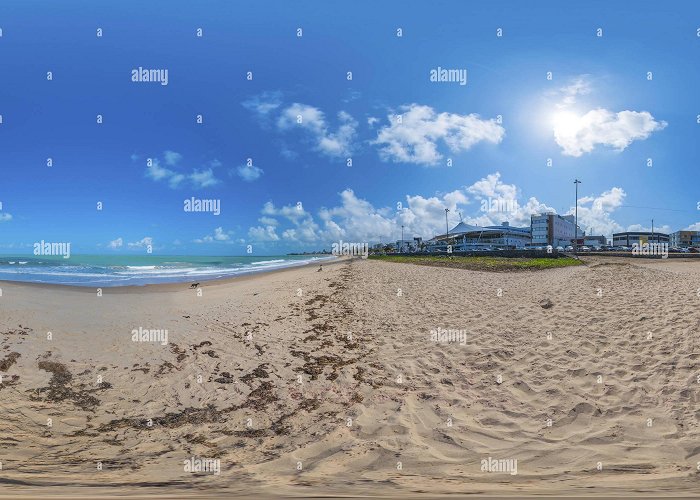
point(465, 237)
point(554, 229)
point(404, 245)
point(629, 238)
point(684, 239)
point(593, 241)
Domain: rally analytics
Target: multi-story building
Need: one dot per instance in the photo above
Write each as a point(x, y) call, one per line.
point(629, 238)
point(684, 238)
point(554, 229)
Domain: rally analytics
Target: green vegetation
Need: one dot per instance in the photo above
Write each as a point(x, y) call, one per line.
point(495, 264)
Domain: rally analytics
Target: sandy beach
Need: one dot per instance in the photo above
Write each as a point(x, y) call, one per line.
point(368, 378)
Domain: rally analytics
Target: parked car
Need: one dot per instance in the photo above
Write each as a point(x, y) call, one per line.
point(560, 249)
point(569, 248)
point(584, 248)
point(694, 250)
point(684, 250)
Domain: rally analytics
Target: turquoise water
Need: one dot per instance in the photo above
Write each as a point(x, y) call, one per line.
point(121, 270)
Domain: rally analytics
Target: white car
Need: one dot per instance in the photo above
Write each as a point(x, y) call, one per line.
point(560, 249)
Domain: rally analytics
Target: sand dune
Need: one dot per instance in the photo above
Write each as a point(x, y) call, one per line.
point(307, 383)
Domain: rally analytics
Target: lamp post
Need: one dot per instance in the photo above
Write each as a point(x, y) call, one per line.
point(447, 228)
point(576, 183)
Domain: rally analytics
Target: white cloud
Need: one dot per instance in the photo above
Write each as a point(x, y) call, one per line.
point(260, 233)
point(118, 243)
point(568, 95)
point(142, 243)
point(264, 104)
point(219, 236)
point(312, 119)
point(249, 172)
point(577, 135)
point(171, 157)
point(203, 178)
point(595, 212)
point(268, 221)
point(357, 220)
point(414, 138)
point(198, 178)
point(657, 229)
point(5, 217)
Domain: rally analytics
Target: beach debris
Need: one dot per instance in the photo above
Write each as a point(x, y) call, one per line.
point(9, 360)
point(546, 304)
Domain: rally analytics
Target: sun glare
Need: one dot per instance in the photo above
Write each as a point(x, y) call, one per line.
point(565, 122)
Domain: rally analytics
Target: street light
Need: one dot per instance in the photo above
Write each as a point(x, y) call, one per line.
point(576, 182)
point(447, 229)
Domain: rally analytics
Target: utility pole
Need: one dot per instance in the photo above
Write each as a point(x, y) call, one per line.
point(402, 237)
point(447, 228)
point(652, 230)
point(576, 182)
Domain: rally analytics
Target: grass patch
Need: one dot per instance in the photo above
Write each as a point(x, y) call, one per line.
point(478, 263)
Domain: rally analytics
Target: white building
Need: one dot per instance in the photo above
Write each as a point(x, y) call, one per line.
point(465, 237)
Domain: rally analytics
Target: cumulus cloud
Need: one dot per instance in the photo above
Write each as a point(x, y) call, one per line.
point(203, 178)
point(142, 243)
point(197, 178)
point(358, 220)
point(263, 105)
point(313, 121)
point(595, 212)
point(657, 229)
point(263, 233)
point(577, 135)
point(413, 135)
point(172, 157)
point(5, 217)
point(568, 95)
point(249, 172)
point(219, 236)
point(118, 243)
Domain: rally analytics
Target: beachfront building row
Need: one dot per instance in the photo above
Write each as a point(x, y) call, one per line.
point(630, 238)
point(545, 229)
point(684, 239)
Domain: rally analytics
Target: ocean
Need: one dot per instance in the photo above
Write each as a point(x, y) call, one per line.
point(121, 270)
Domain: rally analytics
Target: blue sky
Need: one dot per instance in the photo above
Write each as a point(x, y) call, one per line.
point(599, 118)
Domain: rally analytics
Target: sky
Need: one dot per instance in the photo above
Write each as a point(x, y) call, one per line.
point(319, 122)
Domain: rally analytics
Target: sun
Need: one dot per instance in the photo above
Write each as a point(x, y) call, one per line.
point(565, 123)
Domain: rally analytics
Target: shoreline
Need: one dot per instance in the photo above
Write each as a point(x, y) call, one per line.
point(170, 286)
